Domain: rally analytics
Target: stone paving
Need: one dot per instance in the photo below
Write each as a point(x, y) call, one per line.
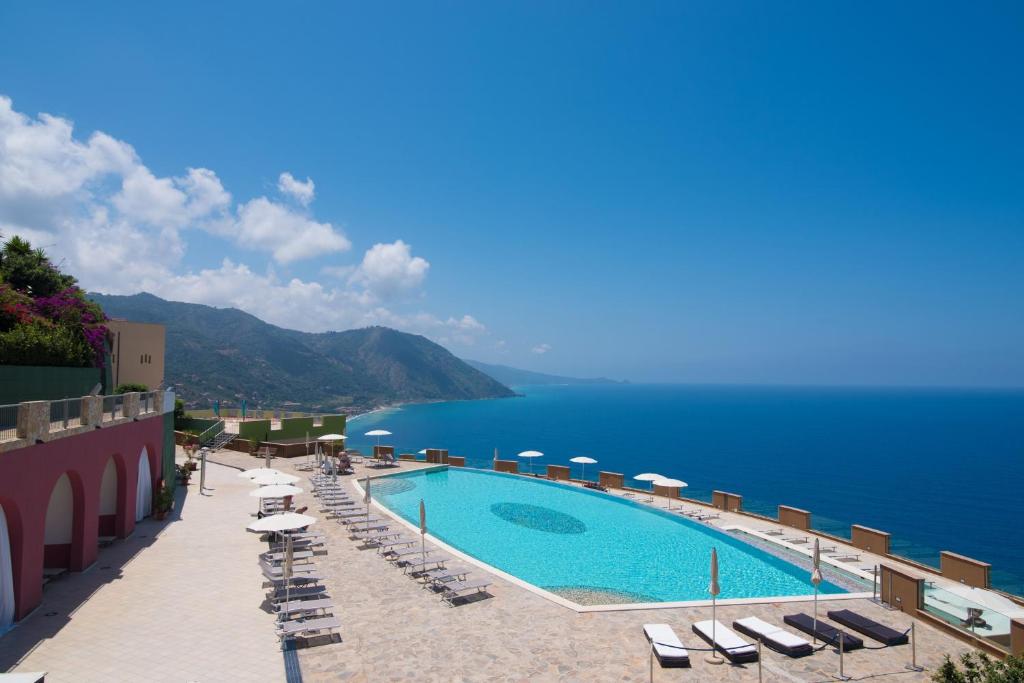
point(178, 601)
point(182, 601)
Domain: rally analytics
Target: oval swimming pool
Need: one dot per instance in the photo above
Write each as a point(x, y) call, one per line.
point(588, 547)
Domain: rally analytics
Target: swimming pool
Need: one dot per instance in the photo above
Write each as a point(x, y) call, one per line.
point(585, 546)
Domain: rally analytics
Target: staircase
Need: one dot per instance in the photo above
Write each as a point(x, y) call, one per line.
point(220, 441)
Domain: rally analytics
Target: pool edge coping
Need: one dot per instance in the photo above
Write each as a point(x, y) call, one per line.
point(569, 604)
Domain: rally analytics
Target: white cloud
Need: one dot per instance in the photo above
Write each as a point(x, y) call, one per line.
point(541, 349)
point(288, 235)
point(302, 192)
point(119, 228)
point(389, 270)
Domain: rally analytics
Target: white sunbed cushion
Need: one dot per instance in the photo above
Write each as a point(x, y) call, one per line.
point(725, 637)
point(779, 635)
point(666, 643)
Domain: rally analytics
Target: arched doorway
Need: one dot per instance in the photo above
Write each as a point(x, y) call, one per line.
point(108, 500)
point(144, 488)
point(6, 575)
point(60, 519)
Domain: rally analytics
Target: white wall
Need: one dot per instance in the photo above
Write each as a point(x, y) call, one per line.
point(108, 489)
point(60, 513)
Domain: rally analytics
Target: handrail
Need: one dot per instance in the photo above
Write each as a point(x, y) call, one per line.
point(210, 433)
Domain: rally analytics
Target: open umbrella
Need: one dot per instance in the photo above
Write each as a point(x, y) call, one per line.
point(331, 438)
point(257, 472)
point(530, 455)
point(288, 521)
point(584, 460)
point(816, 580)
point(276, 491)
point(649, 476)
point(714, 589)
point(378, 433)
point(271, 479)
point(671, 484)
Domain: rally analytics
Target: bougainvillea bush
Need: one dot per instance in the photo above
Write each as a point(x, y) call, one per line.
point(45, 318)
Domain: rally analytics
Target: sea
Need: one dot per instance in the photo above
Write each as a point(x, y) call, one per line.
point(939, 469)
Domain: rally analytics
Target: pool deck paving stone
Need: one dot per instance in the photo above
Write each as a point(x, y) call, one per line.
point(187, 607)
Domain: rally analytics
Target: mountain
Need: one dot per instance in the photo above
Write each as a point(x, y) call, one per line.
point(515, 376)
point(226, 354)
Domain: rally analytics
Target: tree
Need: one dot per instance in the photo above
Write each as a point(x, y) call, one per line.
point(978, 667)
point(29, 270)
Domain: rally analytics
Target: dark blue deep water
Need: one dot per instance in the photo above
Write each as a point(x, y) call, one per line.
point(940, 469)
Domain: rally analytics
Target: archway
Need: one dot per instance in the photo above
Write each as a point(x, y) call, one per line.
point(60, 519)
point(144, 488)
point(6, 575)
point(109, 499)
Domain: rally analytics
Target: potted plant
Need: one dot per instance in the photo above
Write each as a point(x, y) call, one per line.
point(184, 474)
point(163, 501)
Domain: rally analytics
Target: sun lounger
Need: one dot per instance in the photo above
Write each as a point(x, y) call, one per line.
point(279, 555)
point(463, 589)
point(304, 606)
point(825, 632)
point(795, 539)
point(595, 486)
point(710, 515)
point(297, 593)
point(376, 536)
point(773, 532)
point(869, 627)
point(348, 514)
point(441, 576)
point(846, 558)
point(372, 526)
point(726, 641)
point(774, 637)
point(667, 646)
point(276, 572)
point(388, 546)
point(404, 555)
point(295, 628)
point(419, 567)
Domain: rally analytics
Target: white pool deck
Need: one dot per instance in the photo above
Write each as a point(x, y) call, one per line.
point(188, 607)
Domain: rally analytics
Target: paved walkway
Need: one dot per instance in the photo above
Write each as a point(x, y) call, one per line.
point(177, 601)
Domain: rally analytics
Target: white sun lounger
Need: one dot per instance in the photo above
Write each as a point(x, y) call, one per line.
point(304, 606)
point(278, 556)
point(294, 628)
point(726, 641)
point(297, 593)
point(667, 647)
point(774, 637)
point(462, 589)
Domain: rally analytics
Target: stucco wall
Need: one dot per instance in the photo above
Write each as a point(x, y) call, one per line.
point(108, 489)
point(59, 513)
point(137, 354)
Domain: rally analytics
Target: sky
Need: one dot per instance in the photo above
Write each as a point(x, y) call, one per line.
point(783, 193)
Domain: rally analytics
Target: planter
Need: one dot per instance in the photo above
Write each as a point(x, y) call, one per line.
point(192, 466)
point(160, 515)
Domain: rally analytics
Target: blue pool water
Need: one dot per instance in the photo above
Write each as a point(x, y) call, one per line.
point(940, 469)
point(565, 539)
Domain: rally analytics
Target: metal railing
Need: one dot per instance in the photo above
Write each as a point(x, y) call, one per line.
point(113, 407)
point(210, 433)
point(65, 413)
point(9, 422)
point(148, 401)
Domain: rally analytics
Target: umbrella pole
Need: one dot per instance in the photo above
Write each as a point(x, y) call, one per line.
point(714, 657)
point(814, 634)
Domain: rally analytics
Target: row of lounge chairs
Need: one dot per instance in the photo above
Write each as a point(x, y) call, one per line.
point(671, 652)
point(300, 600)
point(452, 583)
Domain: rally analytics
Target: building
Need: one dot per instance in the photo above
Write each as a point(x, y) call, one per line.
point(137, 353)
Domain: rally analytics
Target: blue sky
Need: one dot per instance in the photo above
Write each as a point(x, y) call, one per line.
point(702, 192)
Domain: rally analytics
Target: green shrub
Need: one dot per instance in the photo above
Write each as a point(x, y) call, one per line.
point(43, 343)
point(978, 667)
point(130, 387)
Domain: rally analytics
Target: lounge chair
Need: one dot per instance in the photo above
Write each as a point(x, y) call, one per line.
point(776, 638)
point(414, 568)
point(667, 647)
point(773, 532)
point(437, 577)
point(301, 606)
point(595, 486)
point(869, 627)
point(278, 556)
point(826, 632)
point(372, 526)
point(796, 540)
point(295, 628)
point(726, 641)
point(297, 593)
point(454, 590)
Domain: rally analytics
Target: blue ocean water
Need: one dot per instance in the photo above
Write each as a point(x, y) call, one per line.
point(940, 469)
point(568, 539)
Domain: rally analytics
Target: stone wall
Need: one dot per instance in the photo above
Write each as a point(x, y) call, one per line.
point(964, 569)
point(795, 517)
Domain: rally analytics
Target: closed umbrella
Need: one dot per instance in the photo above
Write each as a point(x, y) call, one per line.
point(276, 491)
point(714, 589)
point(530, 455)
point(423, 532)
point(816, 580)
point(584, 460)
point(366, 499)
point(331, 438)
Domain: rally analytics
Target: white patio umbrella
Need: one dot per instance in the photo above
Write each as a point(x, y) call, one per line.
point(584, 460)
point(423, 532)
point(816, 580)
point(331, 438)
point(378, 433)
point(257, 472)
point(672, 484)
point(276, 491)
point(422, 451)
point(366, 500)
point(649, 476)
point(530, 455)
point(714, 589)
point(271, 479)
point(287, 521)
